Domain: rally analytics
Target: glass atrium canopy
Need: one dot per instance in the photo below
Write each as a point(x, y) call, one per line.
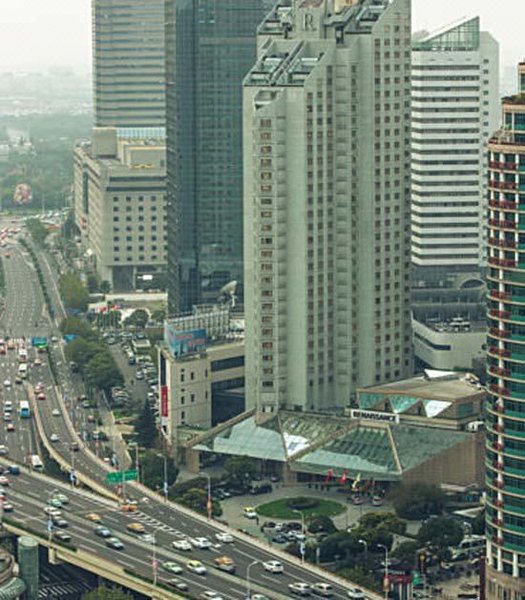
point(462, 36)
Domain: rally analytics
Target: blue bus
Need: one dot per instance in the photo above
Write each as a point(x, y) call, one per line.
point(25, 411)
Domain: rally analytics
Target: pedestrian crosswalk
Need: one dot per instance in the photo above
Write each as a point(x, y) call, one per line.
point(146, 519)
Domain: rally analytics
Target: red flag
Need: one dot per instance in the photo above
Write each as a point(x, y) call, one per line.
point(344, 477)
point(329, 476)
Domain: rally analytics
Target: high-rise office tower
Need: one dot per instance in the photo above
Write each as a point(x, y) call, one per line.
point(505, 506)
point(455, 108)
point(129, 83)
point(327, 203)
point(210, 48)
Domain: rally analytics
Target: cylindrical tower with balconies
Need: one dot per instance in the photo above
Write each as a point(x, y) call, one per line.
point(505, 456)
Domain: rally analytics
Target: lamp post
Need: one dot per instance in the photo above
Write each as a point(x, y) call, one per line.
point(165, 484)
point(385, 582)
point(302, 544)
point(209, 502)
point(365, 544)
point(154, 555)
point(248, 590)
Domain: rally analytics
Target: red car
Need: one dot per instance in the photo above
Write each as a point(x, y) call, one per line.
point(41, 396)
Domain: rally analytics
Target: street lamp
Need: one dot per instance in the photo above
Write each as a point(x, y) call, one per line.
point(137, 466)
point(365, 544)
point(209, 503)
point(165, 485)
point(385, 582)
point(248, 590)
point(302, 544)
point(154, 555)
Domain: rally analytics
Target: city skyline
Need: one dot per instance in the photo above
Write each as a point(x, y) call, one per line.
point(26, 24)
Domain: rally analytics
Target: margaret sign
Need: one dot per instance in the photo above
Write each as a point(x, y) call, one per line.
point(184, 342)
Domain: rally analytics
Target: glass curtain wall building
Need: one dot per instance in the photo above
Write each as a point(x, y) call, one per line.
point(128, 66)
point(210, 48)
point(505, 454)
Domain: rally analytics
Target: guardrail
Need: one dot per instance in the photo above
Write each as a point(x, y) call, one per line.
point(55, 455)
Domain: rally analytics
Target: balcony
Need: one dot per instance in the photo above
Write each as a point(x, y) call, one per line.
point(499, 314)
point(502, 243)
point(503, 185)
point(503, 204)
point(501, 333)
point(498, 389)
point(499, 295)
point(507, 166)
point(499, 371)
point(499, 351)
point(502, 224)
point(502, 262)
point(498, 446)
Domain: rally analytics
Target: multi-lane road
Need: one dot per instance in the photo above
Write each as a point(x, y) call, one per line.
point(166, 521)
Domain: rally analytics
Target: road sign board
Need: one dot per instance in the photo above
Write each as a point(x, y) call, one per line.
point(116, 477)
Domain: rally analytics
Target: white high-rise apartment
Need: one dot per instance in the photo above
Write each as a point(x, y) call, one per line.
point(327, 203)
point(455, 108)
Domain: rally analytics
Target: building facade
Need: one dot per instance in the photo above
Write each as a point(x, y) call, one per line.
point(327, 203)
point(455, 108)
point(129, 83)
point(505, 451)
point(210, 48)
point(119, 204)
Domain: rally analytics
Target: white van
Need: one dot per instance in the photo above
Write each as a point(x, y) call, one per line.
point(469, 547)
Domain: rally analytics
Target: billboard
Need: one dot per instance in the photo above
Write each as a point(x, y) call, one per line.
point(184, 342)
point(164, 401)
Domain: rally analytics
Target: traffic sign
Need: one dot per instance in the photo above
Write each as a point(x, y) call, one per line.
point(117, 476)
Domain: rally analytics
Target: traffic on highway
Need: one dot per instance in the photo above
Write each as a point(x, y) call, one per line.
point(159, 541)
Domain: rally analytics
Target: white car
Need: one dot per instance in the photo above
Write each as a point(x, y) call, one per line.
point(3, 450)
point(55, 412)
point(200, 542)
point(181, 545)
point(51, 511)
point(355, 594)
point(195, 566)
point(7, 383)
point(210, 595)
point(149, 538)
point(299, 588)
point(225, 538)
point(250, 514)
point(322, 589)
point(54, 438)
point(273, 566)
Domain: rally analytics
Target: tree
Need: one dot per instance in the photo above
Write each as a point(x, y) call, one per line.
point(105, 287)
point(152, 470)
point(478, 524)
point(340, 544)
point(107, 593)
point(77, 326)
point(74, 293)
point(440, 533)
point(405, 552)
point(417, 500)
point(138, 318)
point(379, 529)
point(361, 577)
point(321, 524)
point(38, 231)
point(145, 427)
point(240, 469)
point(81, 351)
point(197, 500)
point(158, 315)
point(102, 372)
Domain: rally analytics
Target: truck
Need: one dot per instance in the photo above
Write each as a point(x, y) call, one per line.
point(225, 563)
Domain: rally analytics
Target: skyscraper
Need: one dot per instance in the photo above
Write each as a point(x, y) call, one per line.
point(505, 507)
point(327, 203)
point(210, 48)
point(129, 65)
point(455, 108)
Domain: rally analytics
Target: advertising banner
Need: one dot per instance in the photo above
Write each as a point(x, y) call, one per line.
point(184, 342)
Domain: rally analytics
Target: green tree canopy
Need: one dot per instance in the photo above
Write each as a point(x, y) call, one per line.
point(406, 552)
point(138, 318)
point(197, 500)
point(145, 427)
point(38, 231)
point(321, 524)
point(340, 544)
point(82, 351)
point(361, 577)
point(77, 326)
point(240, 468)
point(107, 593)
point(102, 372)
point(152, 470)
point(417, 500)
point(440, 533)
point(74, 293)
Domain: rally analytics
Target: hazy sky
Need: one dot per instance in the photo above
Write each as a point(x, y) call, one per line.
point(40, 33)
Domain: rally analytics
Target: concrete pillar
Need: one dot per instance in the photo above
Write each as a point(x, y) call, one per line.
point(29, 565)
